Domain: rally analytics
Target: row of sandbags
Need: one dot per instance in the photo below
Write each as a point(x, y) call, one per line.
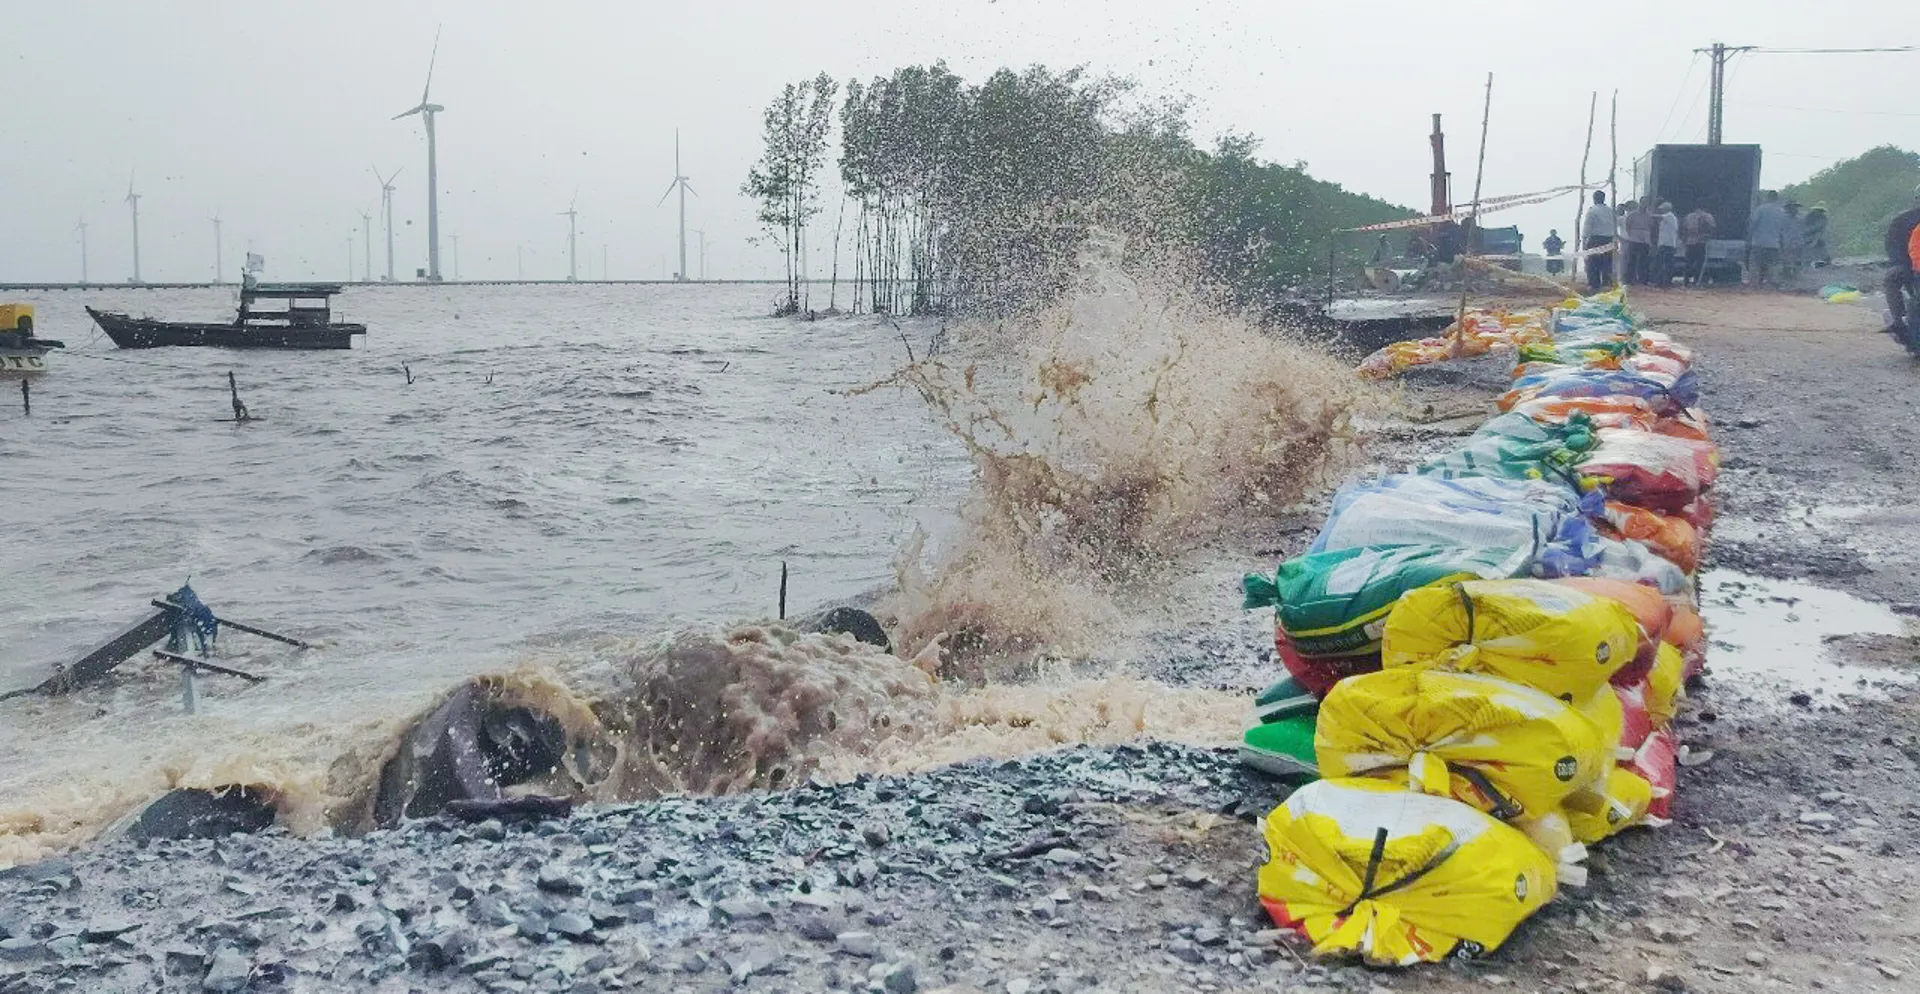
point(1486, 653)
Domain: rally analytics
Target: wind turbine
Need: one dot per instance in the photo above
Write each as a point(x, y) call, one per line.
point(133, 199)
point(426, 110)
point(82, 227)
point(217, 257)
point(569, 214)
point(366, 232)
point(702, 233)
point(679, 183)
point(386, 208)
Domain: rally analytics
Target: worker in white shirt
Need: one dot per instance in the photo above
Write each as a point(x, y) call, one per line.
point(1599, 229)
point(1666, 244)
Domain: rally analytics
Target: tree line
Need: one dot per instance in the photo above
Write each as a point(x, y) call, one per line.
point(975, 198)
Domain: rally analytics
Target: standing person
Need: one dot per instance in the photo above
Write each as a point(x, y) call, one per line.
point(1900, 273)
point(1666, 244)
point(1553, 244)
point(1792, 247)
point(1599, 228)
point(1637, 230)
point(1813, 238)
point(1766, 236)
point(1695, 232)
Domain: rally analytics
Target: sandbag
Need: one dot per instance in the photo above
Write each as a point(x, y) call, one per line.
point(1626, 559)
point(1665, 394)
point(1607, 411)
point(1332, 603)
point(1551, 637)
point(1671, 537)
point(1364, 868)
point(1319, 674)
point(1666, 684)
point(1507, 749)
point(1548, 520)
point(1610, 808)
point(1516, 447)
point(1657, 761)
point(1282, 748)
point(1650, 609)
point(1650, 470)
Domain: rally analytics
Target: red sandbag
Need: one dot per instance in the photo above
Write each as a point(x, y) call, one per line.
point(1688, 633)
point(1650, 470)
point(1318, 674)
point(1657, 762)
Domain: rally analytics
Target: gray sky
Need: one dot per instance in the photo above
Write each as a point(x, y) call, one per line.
point(271, 113)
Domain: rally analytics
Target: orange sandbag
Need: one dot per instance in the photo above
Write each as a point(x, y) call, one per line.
point(1650, 609)
point(1672, 537)
point(1690, 423)
point(1688, 633)
point(1557, 410)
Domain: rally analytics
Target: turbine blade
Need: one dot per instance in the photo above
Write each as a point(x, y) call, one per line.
point(410, 113)
point(689, 186)
point(431, 59)
point(669, 193)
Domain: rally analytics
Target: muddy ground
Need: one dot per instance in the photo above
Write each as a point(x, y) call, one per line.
point(1790, 865)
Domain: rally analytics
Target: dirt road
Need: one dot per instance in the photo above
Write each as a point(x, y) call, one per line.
point(1791, 864)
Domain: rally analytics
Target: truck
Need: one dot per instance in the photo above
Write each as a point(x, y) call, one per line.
point(1723, 179)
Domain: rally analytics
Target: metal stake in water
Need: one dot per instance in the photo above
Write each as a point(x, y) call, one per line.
point(187, 696)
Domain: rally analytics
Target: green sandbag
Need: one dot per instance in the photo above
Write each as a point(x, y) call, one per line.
point(1335, 603)
point(1285, 699)
point(1516, 447)
point(1282, 748)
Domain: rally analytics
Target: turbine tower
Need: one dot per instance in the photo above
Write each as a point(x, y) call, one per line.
point(426, 110)
point(82, 227)
point(386, 208)
point(133, 200)
point(702, 233)
point(217, 257)
point(679, 183)
point(569, 214)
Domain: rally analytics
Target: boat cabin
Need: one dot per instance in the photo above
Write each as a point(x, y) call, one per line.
point(286, 305)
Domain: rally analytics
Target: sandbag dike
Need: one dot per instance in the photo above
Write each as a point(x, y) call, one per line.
point(754, 707)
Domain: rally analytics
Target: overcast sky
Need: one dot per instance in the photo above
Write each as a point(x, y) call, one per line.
point(272, 113)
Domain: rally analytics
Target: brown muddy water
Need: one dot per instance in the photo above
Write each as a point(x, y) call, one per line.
point(582, 534)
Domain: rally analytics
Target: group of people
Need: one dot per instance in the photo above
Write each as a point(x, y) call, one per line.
point(1654, 243)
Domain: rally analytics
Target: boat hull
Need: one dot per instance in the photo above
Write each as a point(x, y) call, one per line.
point(145, 333)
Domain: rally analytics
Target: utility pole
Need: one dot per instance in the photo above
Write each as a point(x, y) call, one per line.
point(1440, 195)
point(1720, 53)
point(83, 251)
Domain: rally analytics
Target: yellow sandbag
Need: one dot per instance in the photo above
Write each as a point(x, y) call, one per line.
point(1506, 749)
point(1362, 867)
point(1551, 834)
point(1595, 814)
point(1609, 716)
point(1546, 635)
point(1666, 684)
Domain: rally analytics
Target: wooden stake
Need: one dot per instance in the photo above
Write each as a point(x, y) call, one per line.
point(783, 590)
point(26, 397)
point(1580, 209)
point(1473, 218)
point(1613, 177)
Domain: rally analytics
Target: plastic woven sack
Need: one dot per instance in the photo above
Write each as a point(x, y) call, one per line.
point(1670, 536)
point(1650, 609)
point(1506, 749)
point(1625, 559)
point(1547, 519)
point(1319, 674)
point(1363, 868)
point(1657, 762)
point(1666, 685)
point(1333, 603)
point(1551, 637)
point(1610, 808)
point(1516, 447)
point(1665, 394)
point(1651, 470)
point(1690, 424)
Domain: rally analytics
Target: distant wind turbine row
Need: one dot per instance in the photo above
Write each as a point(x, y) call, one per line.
point(426, 109)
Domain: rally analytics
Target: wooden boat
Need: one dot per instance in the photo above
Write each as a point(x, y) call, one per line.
point(294, 316)
point(21, 352)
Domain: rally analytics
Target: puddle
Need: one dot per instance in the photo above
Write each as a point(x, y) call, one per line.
point(1775, 634)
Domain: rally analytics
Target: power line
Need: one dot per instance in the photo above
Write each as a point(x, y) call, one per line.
point(1828, 51)
point(1682, 92)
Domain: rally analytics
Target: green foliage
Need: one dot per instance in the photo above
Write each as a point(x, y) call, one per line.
point(1862, 194)
point(979, 197)
point(786, 179)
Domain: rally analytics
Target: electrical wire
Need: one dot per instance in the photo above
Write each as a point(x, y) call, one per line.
point(1678, 94)
point(1829, 51)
